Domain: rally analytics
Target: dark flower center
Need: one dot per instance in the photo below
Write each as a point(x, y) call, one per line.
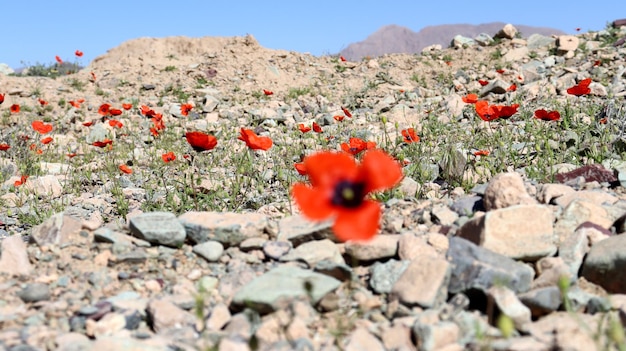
point(348, 194)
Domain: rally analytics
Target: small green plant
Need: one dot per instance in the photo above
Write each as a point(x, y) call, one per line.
point(294, 93)
point(77, 84)
point(169, 68)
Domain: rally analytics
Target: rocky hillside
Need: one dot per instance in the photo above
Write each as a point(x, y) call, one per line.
point(397, 39)
point(505, 233)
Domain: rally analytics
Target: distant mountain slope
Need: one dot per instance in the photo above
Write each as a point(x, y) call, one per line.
point(398, 39)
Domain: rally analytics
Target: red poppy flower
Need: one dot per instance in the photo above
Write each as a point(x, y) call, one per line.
point(338, 118)
point(103, 143)
point(154, 132)
point(513, 87)
point(71, 155)
point(268, 92)
point(582, 88)
point(603, 120)
point(356, 145)
point(21, 181)
point(317, 128)
point(87, 124)
point(200, 141)
point(470, 98)
point(146, 111)
point(127, 106)
point(303, 128)
point(93, 77)
point(254, 141)
point(125, 169)
point(1, 98)
point(185, 108)
point(78, 53)
point(15, 108)
point(343, 59)
point(578, 29)
point(80, 101)
point(500, 70)
point(41, 127)
point(410, 136)
point(104, 109)
point(157, 121)
point(547, 115)
point(506, 111)
point(75, 104)
point(597, 63)
point(4, 147)
point(115, 112)
point(339, 187)
point(481, 153)
point(300, 168)
point(482, 82)
point(168, 157)
point(346, 112)
point(115, 123)
point(486, 112)
point(47, 140)
point(449, 63)
point(58, 59)
point(42, 102)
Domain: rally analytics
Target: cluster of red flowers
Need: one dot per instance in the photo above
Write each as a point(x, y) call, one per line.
point(582, 88)
point(490, 113)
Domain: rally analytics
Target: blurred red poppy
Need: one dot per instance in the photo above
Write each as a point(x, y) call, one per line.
point(15, 108)
point(300, 168)
point(103, 143)
point(513, 87)
point(127, 106)
point(547, 115)
point(104, 109)
point(486, 112)
point(185, 108)
point(481, 153)
point(115, 112)
point(500, 70)
point(168, 157)
point(75, 104)
point(4, 147)
point(482, 82)
point(317, 128)
point(346, 112)
point(338, 118)
point(125, 169)
point(254, 141)
point(470, 98)
point(78, 53)
point(21, 181)
point(41, 128)
point(47, 140)
point(268, 92)
point(42, 102)
point(339, 189)
point(200, 141)
point(93, 77)
point(58, 59)
point(1, 98)
point(115, 123)
point(303, 128)
point(582, 88)
point(410, 136)
point(88, 124)
point(343, 59)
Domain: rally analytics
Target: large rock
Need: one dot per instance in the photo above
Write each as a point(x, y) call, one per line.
point(160, 228)
point(228, 228)
point(605, 264)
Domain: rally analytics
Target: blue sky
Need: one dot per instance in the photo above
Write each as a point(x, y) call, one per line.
point(36, 31)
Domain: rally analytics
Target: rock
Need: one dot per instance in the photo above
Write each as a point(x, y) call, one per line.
point(565, 43)
point(34, 292)
point(314, 252)
point(508, 303)
point(298, 230)
point(436, 336)
point(161, 228)
point(45, 186)
point(474, 267)
point(424, 282)
point(507, 32)
point(56, 230)
point(276, 249)
point(219, 317)
point(209, 250)
point(362, 340)
point(504, 190)
point(380, 247)
point(165, 315)
point(383, 276)
point(573, 248)
point(542, 301)
point(280, 286)
point(521, 232)
point(5, 69)
point(605, 264)
point(228, 228)
point(538, 41)
point(14, 257)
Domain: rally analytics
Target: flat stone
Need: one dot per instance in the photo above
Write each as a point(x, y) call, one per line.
point(34, 292)
point(282, 284)
point(424, 282)
point(165, 315)
point(506, 189)
point(567, 43)
point(522, 232)
point(362, 340)
point(14, 257)
point(229, 228)
point(383, 275)
point(297, 230)
point(474, 267)
point(160, 228)
point(506, 300)
point(380, 247)
point(542, 301)
point(314, 252)
point(209, 250)
point(56, 230)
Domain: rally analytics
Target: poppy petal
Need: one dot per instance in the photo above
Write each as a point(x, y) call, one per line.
point(360, 224)
point(379, 170)
point(325, 169)
point(313, 205)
